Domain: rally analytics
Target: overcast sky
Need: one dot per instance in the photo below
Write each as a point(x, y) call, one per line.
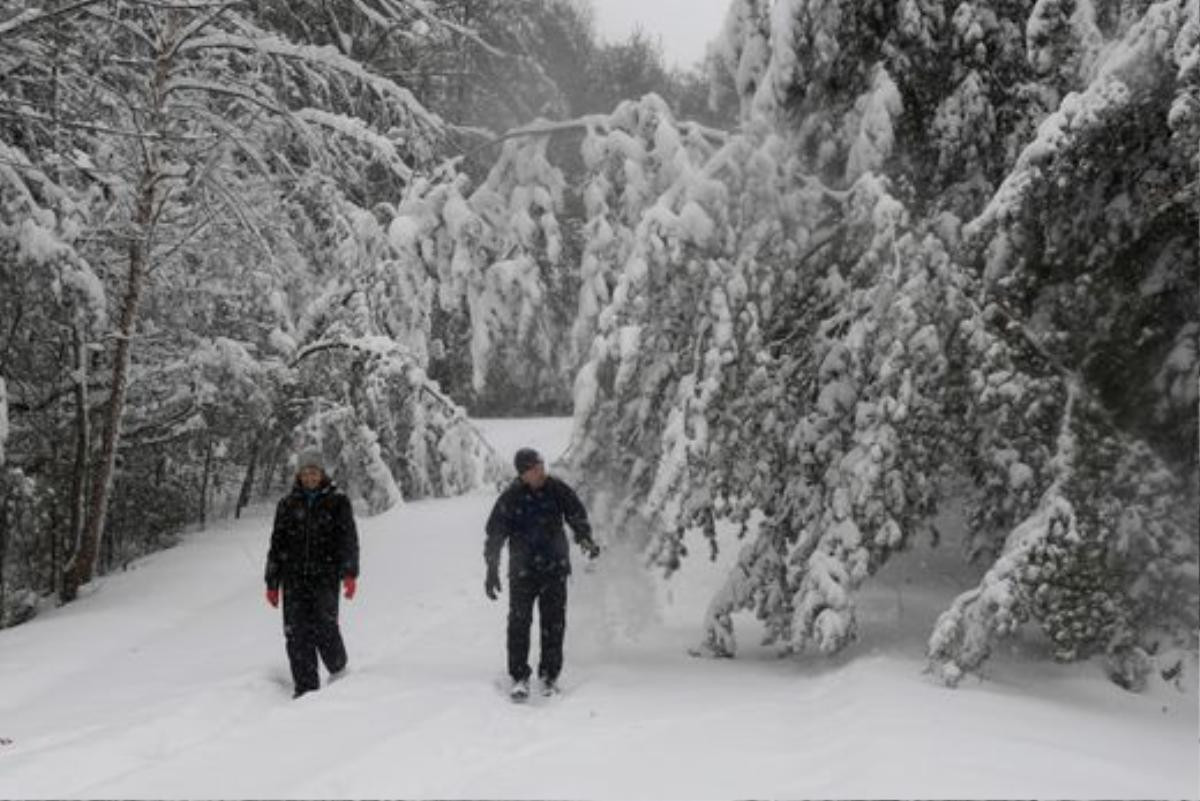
point(685, 26)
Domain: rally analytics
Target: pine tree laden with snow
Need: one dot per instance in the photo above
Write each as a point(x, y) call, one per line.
point(817, 384)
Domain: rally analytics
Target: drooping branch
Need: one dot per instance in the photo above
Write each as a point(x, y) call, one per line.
point(425, 386)
point(586, 122)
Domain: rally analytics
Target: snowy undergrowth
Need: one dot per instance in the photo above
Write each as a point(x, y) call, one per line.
point(170, 681)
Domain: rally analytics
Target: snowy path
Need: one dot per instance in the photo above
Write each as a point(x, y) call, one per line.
point(170, 681)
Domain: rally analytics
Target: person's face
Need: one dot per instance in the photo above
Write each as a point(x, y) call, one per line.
point(311, 477)
point(535, 476)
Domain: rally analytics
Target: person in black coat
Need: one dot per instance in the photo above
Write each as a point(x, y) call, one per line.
point(314, 545)
point(529, 516)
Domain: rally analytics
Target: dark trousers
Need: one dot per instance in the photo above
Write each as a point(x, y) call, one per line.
point(310, 624)
point(550, 593)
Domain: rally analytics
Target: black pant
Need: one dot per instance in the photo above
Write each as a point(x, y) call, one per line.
point(310, 624)
point(550, 593)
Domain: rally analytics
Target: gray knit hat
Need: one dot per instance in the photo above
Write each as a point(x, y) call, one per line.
point(310, 457)
point(525, 459)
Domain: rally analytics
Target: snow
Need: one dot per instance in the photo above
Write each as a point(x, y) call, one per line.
point(356, 130)
point(39, 243)
point(1125, 69)
point(877, 110)
point(698, 225)
point(744, 46)
point(20, 19)
point(169, 681)
point(326, 57)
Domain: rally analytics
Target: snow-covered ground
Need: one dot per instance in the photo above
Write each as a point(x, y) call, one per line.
point(170, 681)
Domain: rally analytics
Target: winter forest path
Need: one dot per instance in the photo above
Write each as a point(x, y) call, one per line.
point(170, 681)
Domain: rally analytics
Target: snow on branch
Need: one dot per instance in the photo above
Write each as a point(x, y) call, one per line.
point(590, 123)
point(45, 235)
point(356, 130)
point(385, 347)
point(324, 57)
point(963, 635)
point(1137, 59)
point(601, 122)
point(34, 16)
point(759, 578)
point(224, 89)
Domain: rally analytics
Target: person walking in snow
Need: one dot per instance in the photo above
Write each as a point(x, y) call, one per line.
point(314, 546)
point(529, 516)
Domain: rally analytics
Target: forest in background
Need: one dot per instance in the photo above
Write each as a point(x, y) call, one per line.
point(197, 277)
point(873, 256)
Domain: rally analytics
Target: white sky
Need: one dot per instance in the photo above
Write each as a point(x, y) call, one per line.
point(685, 26)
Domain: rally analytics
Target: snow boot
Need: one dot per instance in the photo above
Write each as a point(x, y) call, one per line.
point(549, 687)
point(520, 690)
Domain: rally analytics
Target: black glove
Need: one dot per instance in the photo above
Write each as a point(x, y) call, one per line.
point(492, 585)
point(589, 547)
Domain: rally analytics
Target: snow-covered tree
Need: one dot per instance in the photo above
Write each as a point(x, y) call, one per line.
point(53, 304)
point(829, 344)
point(1107, 556)
point(210, 90)
point(175, 146)
point(498, 255)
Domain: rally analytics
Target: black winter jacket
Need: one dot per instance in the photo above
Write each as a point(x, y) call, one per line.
point(312, 537)
point(531, 522)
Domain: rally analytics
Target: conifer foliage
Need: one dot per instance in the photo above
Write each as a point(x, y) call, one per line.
point(907, 269)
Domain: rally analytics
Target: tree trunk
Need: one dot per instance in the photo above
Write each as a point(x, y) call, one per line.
point(82, 444)
point(272, 467)
point(247, 491)
point(208, 455)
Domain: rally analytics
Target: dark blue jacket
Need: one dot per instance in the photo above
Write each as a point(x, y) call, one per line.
point(314, 536)
point(531, 522)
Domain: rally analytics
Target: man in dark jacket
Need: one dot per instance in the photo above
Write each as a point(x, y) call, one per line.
point(529, 516)
point(314, 545)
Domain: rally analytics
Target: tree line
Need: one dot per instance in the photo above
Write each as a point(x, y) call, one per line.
point(197, 275)
point(873, 259)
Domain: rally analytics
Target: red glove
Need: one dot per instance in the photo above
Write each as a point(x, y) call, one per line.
point(273, 597)
point(351, 585)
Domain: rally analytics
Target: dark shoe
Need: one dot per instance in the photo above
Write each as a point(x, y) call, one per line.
point(298, 692)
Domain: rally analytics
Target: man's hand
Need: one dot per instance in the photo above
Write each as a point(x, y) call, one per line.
point(273, 597)
point(350, 583)
point(492, 585)
point(589, 547)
